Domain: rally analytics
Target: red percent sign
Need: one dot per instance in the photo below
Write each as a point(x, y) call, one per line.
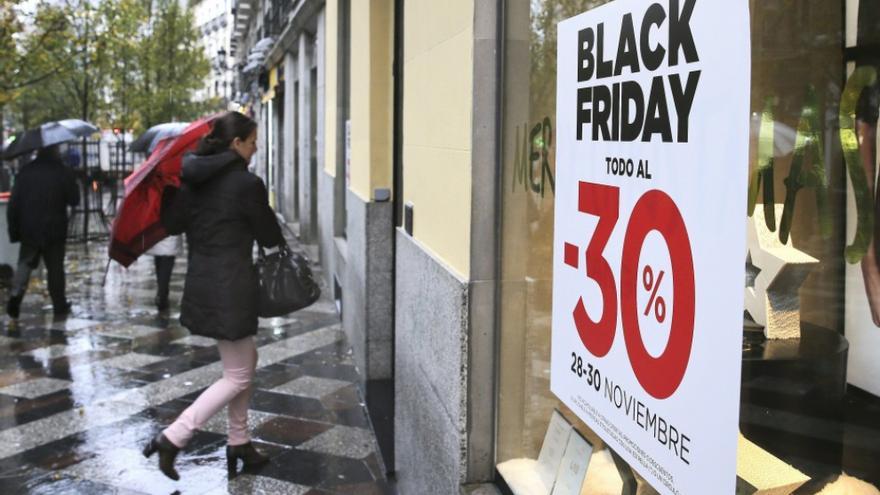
point(655, 210)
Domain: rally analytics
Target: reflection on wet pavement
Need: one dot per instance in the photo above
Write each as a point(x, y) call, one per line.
point(80, 396)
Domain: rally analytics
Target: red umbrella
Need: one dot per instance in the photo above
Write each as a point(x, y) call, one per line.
point(136, 227)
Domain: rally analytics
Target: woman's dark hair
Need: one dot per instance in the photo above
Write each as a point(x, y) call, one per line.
point(225, 129)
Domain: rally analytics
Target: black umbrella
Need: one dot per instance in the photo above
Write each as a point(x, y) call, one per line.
point(48, 134)
point(147, 141)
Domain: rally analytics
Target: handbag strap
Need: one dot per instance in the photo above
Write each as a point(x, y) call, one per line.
point(283, 248)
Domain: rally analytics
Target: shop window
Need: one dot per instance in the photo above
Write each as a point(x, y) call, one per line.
point(809, 399)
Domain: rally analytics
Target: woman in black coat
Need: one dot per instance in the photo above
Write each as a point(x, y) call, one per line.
point(223, 209)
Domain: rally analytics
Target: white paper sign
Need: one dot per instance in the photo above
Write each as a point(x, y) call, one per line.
point(573, 468)
point(553, 448)
point(648, 271)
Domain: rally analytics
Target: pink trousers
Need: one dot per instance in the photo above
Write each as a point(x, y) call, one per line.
point(234, 389)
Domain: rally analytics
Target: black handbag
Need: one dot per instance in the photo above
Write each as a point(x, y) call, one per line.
point(286, 282)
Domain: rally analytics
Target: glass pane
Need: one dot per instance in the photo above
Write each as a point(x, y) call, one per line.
point(527, 236)
point(811, 373)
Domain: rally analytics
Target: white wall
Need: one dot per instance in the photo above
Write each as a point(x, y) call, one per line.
point(209, 17)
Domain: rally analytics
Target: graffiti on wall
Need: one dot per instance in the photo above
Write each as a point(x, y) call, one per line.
point(533, 168)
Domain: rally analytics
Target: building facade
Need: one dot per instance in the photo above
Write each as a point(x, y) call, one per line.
point(412, 144)
point(213, 18)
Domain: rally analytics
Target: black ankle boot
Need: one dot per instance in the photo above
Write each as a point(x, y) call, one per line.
point(250, 456)
point(167, 454)
point(14, 306)
point(62, 309)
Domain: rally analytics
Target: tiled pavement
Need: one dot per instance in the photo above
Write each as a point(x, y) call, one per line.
point(80, 396)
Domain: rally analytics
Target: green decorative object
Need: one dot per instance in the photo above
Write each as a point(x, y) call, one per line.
point(861, 78)
point(807, 150)
point(763, 173)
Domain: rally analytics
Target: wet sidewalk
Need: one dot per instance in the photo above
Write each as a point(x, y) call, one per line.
point(79, 397)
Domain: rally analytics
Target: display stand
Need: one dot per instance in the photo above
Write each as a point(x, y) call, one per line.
point(561, 466)
point(792, 393)
point(573, 468)
point(537, 476)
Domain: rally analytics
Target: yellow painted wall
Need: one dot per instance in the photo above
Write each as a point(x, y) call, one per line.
point(437, 111)
point(331, 44)
point(382, 94)
point(372, 90)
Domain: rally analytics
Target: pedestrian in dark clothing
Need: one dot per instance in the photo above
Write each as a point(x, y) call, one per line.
point(223, 209)
point(37, 217)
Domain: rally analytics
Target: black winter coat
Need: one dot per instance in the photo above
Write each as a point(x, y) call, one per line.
point(37, 210)
point(223, 209)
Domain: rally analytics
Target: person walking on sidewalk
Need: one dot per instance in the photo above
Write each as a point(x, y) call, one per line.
point(164, 253)
point(37, 217)
point(223, 209)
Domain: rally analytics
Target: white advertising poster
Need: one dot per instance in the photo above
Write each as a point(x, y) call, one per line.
point(650, 216)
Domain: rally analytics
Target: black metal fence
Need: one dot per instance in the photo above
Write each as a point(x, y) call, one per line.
point(100, 174)
point(100, 168)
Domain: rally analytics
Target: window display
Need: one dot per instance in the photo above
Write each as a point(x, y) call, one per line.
point(810, 396)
